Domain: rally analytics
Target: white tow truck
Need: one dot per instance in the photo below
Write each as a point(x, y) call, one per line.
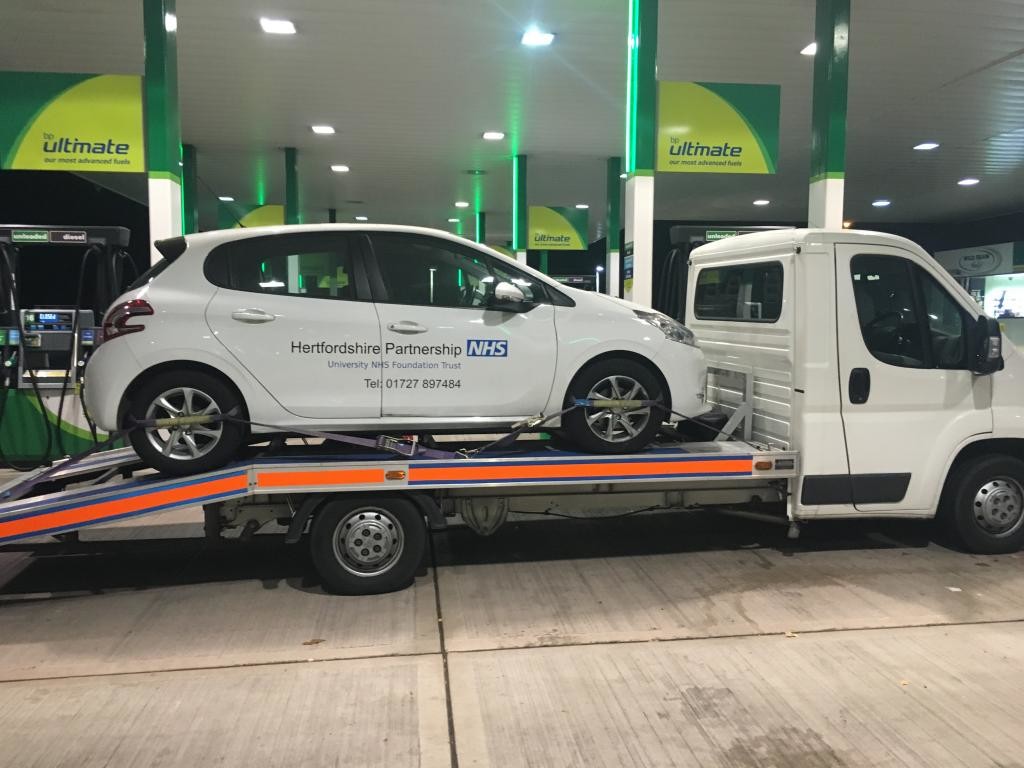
point(859, 380)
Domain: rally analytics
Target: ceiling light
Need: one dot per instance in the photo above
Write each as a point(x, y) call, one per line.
point(339, 168)
point(226, 199)
point(599, 268)
point(762, 202)
point(461, 204)
point(277, 26)
point(970, 181)
point(847, 224)
point(362, 218)
point(493, 135)
point(170, 22)
point(534, 37)
point(623, 175)
point(453, 221)
point(881, 203)
point(926, 145)
point(810, 49)
point(582, 206)
point(322, 130)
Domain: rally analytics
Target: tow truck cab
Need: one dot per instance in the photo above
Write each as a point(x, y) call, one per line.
point(870, 360)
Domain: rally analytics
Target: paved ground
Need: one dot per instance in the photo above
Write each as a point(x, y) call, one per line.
point(658, 641)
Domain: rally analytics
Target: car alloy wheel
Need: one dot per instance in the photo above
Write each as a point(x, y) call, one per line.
point(186, 442)
point(617, 425)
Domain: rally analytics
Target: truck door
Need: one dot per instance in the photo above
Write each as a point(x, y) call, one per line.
point(908, 398)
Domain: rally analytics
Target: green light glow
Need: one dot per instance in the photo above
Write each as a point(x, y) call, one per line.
point(515, 202)
point(460, 278)
point(261, 179)
point(632, 65)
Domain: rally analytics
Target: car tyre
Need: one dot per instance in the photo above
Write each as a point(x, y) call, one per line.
point(367, 545)
point(614, 430)
point(982, 506)
point(191, 450)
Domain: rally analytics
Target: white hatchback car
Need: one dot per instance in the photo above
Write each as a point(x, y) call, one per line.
point(374, 329)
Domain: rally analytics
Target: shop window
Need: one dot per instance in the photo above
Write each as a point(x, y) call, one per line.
point(310, 265)
point(749, 293)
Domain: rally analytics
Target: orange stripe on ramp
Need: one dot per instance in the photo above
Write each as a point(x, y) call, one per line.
point(579, 470)
point(319, 477)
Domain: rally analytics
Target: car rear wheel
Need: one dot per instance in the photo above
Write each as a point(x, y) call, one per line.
point(186, 449)
point(614, 429)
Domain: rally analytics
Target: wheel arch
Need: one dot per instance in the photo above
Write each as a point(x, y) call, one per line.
point(633, 357)
point(990, 446)
point(177, 365)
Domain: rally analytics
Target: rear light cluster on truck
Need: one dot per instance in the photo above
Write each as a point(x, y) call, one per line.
point(116, 321)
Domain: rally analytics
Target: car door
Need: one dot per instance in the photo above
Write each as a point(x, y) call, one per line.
point(295, 311)
point(446, 351)
point(908, 398)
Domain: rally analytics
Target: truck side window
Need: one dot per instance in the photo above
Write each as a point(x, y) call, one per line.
point(749, 293)
point(906, 318)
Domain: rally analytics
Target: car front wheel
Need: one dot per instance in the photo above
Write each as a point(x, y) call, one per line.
point(190, 448)
point(614, 429)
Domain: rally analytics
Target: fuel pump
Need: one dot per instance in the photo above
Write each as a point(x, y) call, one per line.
point(45, 345)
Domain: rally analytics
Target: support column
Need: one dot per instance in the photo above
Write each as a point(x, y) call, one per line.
point(163, 125)
point(520, 209)
point(828, 121)
point(292, 213)
point(481, 226)
point(332, 215)
point(189, 189)
point(614, 198)
point(641, 105)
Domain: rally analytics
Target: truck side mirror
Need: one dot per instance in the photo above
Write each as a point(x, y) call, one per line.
point(986, 347)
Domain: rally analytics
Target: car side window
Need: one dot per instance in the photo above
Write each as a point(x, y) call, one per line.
point(430, 272)
point(906, 317)
point(314, 265)
point(750, 293)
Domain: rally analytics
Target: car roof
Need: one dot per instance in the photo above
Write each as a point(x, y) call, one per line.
point(789, 239)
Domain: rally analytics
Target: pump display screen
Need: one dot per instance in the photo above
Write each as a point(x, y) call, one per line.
point(34, 320)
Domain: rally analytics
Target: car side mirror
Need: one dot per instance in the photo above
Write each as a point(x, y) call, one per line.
point(986, 346)
point(509, 297)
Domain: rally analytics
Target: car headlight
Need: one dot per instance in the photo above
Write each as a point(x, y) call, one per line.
point(672, 329)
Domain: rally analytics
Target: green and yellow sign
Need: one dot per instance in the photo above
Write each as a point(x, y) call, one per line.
point(557, 229)
point(232, 215)
point(718, 127)
point(69, 122)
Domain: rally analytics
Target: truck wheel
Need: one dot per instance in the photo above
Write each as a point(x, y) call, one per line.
point(186, 450)
point(367, 546)
point(613, 430)
point(982, 508)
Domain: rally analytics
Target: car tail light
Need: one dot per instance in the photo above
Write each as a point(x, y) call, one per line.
point(116, 322)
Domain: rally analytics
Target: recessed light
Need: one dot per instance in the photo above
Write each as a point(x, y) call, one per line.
point(924, 146)
point(762, 202)
point(475, 172)
point(582, 206)
point(453, 221)
point(277, 26)
point(810, 49)
point(623, 175)
point(461, 204)
point(339, 168)
point(226, 199)
point(534, 37)
point(493, 135)
point(881, 203)
point(362, 218)
point(970, 181)
point(322, 130)
point(170, 22)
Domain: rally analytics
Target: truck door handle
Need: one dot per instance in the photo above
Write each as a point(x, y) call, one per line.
point(860, 385)
point(407, 326)
point(251, 316)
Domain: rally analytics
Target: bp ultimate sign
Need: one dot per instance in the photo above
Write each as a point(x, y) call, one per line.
point(718, 127)
point(70, 122)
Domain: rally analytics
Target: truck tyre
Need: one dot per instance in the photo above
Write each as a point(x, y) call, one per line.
point(982, 508)
point(367, 545)
point(613, 430)
point(187, 450)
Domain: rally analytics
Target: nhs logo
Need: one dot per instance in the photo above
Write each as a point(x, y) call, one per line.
point(486, 348)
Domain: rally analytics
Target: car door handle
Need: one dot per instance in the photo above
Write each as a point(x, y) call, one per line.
point(860, 385)
point(251, 316)
point(407, 326)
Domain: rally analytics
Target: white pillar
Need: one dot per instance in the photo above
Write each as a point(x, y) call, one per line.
point(164, 212)
point(612, 273)
point(638, 275)
point(825, 204)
